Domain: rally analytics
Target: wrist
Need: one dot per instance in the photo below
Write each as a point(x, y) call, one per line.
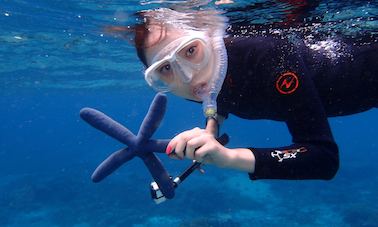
point(241, 159)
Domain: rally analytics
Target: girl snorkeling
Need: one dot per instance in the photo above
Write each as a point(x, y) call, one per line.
point(300, 81)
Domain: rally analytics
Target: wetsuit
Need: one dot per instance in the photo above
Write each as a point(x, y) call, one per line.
point(301, 84)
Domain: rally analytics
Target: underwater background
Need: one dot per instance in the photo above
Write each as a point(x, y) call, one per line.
point(55, 60)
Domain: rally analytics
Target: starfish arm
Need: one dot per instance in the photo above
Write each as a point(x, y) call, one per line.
point(158, 146)
point(110, 164)
point(107, 125)
point(153, 118)
point(159, 174)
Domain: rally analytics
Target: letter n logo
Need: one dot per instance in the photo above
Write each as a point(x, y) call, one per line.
point(287, 83)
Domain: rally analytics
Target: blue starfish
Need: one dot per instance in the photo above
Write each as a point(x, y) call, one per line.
point(140, 145)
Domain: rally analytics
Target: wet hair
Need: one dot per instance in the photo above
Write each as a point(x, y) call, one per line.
point(159, 20)
point(139, 34)
point(141, 37)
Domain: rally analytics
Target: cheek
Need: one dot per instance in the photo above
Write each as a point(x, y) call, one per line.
point(181, 89)
point(203, 76)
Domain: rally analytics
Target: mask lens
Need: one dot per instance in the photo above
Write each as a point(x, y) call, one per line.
point(159, 75)
point(189, 57)
point(193, 52)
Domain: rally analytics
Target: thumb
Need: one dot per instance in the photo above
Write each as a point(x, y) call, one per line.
point(212, 126)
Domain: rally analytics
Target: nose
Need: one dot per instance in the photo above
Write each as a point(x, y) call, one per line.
point(184, 73)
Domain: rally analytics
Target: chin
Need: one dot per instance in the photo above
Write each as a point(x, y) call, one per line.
point(192, 97)
point(185, 95)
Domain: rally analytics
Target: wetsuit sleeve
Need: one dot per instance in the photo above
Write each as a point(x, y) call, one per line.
point(313, 153)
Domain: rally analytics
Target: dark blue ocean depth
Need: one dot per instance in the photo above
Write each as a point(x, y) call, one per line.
point(47, 155)
point(55, 60)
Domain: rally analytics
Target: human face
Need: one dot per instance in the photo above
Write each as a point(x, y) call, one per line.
point(182, 58)
point(180, 63)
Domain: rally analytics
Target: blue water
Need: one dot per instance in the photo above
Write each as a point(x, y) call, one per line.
point(55, 60)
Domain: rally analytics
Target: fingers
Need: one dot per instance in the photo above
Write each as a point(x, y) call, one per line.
point(194, 144)
point(202, 154)
point(203, 148)
point(177, 146)
point(200, 145)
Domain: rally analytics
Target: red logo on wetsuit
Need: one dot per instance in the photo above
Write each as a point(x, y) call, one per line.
point(287, 83)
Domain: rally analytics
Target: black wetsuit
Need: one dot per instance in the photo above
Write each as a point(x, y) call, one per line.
point(272, 78)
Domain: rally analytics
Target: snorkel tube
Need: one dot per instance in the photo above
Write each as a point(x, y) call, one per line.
point(209, 98)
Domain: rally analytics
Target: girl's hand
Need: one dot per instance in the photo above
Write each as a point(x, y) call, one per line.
point(200, 145)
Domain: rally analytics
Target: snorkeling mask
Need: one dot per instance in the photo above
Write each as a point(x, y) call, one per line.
point(178, 60)
point(186, 56)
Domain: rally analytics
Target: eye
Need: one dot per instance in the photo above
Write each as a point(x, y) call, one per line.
point(165, 69)
point(191, 51)
point(165, 72)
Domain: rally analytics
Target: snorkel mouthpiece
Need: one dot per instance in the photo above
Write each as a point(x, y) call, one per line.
point(209, 105)
point(210, 112)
